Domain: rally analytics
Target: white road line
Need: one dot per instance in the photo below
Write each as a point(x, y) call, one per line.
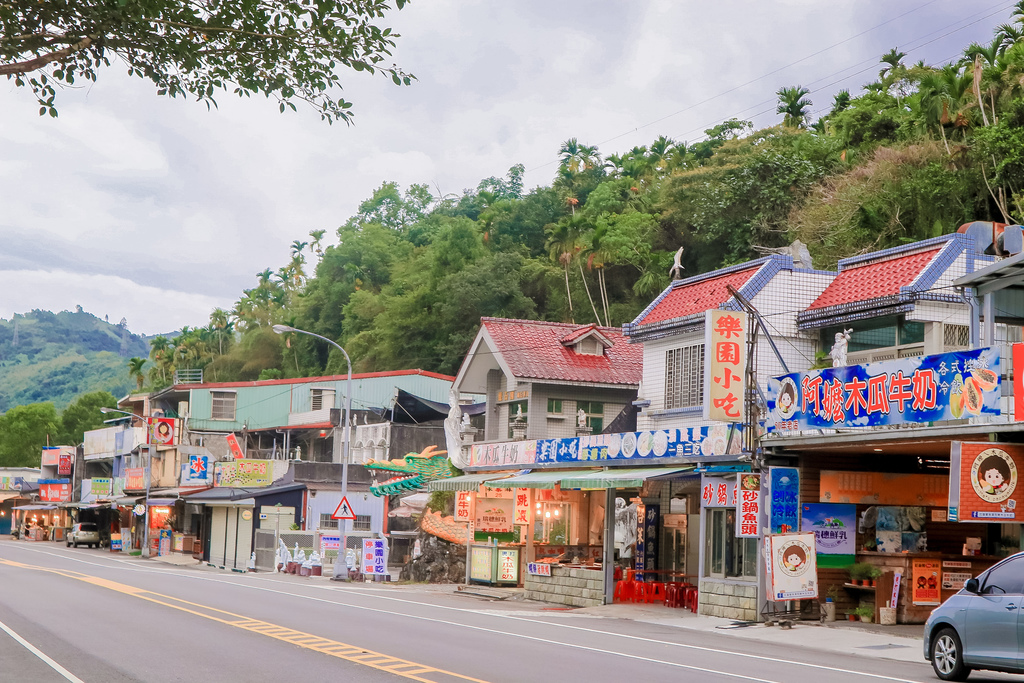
point(38, 653)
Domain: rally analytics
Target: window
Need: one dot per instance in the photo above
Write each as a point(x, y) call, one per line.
point(361, 523)
point(595, 414)
point(554, 406)
point(726, 556)
point(513, 413)
point(1005, 579)
point(321, 398)
point(222, 405)
point(590, 347)
point(877, 333)
point(326, 522)
point(552, 523)
point(684, 377)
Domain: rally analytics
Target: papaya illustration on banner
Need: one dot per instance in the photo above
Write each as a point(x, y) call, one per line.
point(725, 341)
point(344, 510)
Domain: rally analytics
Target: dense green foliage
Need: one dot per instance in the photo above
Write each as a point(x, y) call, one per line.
point(25, 430)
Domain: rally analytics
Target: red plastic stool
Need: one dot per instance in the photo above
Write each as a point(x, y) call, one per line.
point(672, 595)
point(640, 591)
point(623, 591)
point(691, 599)
point(656, 592)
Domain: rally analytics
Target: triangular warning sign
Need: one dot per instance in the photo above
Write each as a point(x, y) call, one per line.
point(344, 511)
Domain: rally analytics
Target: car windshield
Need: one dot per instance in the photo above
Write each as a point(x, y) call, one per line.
point(87, 527)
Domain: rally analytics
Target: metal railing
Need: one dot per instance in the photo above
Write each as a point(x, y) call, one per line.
point(188, 376)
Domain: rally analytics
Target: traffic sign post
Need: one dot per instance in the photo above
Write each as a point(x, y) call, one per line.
point(344, 510)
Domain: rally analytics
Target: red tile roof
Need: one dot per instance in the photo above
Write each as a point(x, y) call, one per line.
point(697, 297)
point(533, 348)
point(874, 280)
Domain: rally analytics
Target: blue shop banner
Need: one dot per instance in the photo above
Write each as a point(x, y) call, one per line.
point(947, 386)
point(783, 500)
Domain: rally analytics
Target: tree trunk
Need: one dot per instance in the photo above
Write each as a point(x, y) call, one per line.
point(587, 287)
point(942, 129)
point(568, 292)
point(977, 89)
point(604, 295)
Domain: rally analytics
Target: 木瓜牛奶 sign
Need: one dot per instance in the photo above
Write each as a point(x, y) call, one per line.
point(984, 483)
point(244, 473)
point(947, 386)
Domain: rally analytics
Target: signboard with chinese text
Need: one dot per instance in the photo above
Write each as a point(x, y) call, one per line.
point(236, 450)
point(161, 431)
point(947, 386)
point(375, 556)
point(196, 470)
point(135, 478)
point(115, 542)
point(748, 504)
point(508, 565)
point(328, 543)
point(717, 492)
point(65, 461)
point(984, 482)
point(481, 563)
point(55, 490)
point(794, 570)
point(883, 488)
point(244, 473)
point(494, 515)
point(648, 530)
point(725, 337)
point(10, 483)
point(538, 568)
point(783, 500)
point(955, 580)
point(1018, 382)
point(464, 506)
point(721, 439)
point(101, 486)
point(835, 531)
point(50, 456)
point(522, 508)
point(925, 582)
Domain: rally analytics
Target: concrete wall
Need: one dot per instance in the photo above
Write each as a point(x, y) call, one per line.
point(575, 587)
point(729, 599)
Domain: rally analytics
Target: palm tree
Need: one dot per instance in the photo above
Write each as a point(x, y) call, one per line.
point(794, 105)
point(298, 247)
point(135, 366)
point(984, 58)
point(942, 93)
point(159, 348)
point(562, 245)
point(318, 238)
point(220, 322)
point(265, 275)
point(840, 101)
point(894, 71)
point(597, 256)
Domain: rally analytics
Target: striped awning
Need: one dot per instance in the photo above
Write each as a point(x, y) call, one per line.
point(466, 482)
point(542, 479)
point(625, 478)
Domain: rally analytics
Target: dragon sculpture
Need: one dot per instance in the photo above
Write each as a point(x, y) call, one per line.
point(409, 473)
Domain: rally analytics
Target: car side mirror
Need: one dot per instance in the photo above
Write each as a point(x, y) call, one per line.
point(971, 585)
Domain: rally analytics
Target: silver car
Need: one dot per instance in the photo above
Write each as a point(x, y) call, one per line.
point(982, 626)
point(84, 533)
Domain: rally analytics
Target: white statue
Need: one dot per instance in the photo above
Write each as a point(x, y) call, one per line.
point(452, 431)
point(519, 413)
point(839, 348)
point(581, 418)
point(466, 426)
point(677, 265)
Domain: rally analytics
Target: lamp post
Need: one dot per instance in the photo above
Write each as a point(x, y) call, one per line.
point(341, 566)
point(150, 448)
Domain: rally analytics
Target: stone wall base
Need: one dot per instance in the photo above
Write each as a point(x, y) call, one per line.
point(729, 600)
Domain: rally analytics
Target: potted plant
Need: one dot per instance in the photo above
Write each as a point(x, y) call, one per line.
point(859, 573)
point(866, 612)
point(829, 608)
point(873, 574)
point(852, 615)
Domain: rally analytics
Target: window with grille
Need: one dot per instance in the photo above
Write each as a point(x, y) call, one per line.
point(222, 405)
point(595, 414)
point(321, 398)
point(955, 337)
point(684, 377)
point(361, 523)
point(326, 522)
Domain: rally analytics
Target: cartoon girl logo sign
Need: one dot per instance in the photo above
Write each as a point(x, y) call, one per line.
point(792, 558)
point(786, 404)
point(994, 475)
point(161, 431)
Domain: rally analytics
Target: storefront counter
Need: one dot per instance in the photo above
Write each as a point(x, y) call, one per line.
point(927, 580)
point(574, 585)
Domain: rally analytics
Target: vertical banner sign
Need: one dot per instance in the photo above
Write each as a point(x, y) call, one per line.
point(236, 450)
point(725, 339)
point(783, 500)
point(652, 514)
point(895, 597)
point(1018, 382)
point(748, 504)
point(794, 573)
point(508, 565)
point(65, 459)
point(522, 512)
point(375, 556)
point(983, 482)
point(925, 586)
point(464, 506)
point(640, 557)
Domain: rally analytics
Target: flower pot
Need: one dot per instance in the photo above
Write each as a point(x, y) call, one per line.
point(303, 571)
point(871, 582)
point(829, 609)
point(867, 618)
point(317, 570)
point(293, 567)
point(851, 617)
point(887, 616)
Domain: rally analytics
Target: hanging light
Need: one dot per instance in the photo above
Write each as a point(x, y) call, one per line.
point(547, 514)
point(556, 512)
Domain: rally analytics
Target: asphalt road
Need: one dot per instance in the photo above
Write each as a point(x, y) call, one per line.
point(82, 615)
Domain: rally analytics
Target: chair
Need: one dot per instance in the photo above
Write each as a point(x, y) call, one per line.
point(656, 592)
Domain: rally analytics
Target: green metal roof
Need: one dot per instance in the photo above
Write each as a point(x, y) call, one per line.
point(625, 478)
point(467, 482)
point(542, 479)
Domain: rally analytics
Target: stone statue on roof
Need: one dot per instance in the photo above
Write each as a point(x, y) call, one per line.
point(839, 348)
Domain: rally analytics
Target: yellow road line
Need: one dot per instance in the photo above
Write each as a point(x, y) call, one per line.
point(332, 648)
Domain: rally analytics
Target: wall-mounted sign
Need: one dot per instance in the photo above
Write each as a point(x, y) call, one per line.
point(585, 451)
point(494, 515)
point(649, 532)
point(538, 568)
point(50, 456)
point(725, 337)
point(464, 506)
point(947, 386)
point(983, 482)
point(717, 492)
point(506, 396)
point(834, 527)
point(10, 483)
point(101, 486)
point(247, 514)
point(55, 491)
point(161, 431)
point(748, 504)
point(196, 470)
point(925, 582)
point(244, 473)
point(65, 461)
point(794, 571)
point(783, 500)
point(882, 488)
point(522, 508)
point(139, 510)
point(135, 478)
point(236, 450)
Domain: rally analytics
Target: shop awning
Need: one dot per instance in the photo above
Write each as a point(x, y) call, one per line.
point(127, 500)
point(161, 501)
point(7, 495)
point(35, 507)
point(531, 480)
point(86, 505)
point(625, 478)
point(467, 482)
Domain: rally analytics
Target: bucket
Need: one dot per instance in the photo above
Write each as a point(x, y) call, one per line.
point(887, 616)
point(829, 610)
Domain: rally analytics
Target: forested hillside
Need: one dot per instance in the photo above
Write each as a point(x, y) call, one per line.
point(915, 153)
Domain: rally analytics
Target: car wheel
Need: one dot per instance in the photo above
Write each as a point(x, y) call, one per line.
point(75, 544)
point(948, 656)
point(67, 544)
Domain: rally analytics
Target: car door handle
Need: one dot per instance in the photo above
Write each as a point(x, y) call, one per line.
point(1011, 606)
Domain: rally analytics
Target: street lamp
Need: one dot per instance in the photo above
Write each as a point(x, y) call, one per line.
point(340, 568)
point(150, 448)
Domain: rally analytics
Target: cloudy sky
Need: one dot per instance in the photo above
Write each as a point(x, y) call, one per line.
point(158, 210)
